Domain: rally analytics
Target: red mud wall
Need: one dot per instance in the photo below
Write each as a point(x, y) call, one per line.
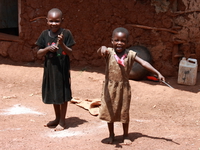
point(169, 29)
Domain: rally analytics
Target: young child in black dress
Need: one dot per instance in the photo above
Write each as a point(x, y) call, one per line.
point(56, 44)
point(116, 95)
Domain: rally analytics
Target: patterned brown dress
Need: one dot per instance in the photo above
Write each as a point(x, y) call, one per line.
point(116, 95)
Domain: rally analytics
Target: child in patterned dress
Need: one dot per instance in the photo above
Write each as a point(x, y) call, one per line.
point(116, 95)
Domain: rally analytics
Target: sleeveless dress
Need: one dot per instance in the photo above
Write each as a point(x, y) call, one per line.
point(56, 86)
point(116, 95)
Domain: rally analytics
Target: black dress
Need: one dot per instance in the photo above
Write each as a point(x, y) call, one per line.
point(56, 86)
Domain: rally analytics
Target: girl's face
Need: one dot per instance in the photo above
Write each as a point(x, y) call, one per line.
point(119, 42)
point(54, 21)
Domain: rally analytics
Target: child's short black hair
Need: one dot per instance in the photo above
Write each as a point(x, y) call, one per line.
point(120, 29)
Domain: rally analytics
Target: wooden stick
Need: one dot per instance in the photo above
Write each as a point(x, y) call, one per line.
point(153, 28)
point(42, 17)
point(57, 43)
point(177, 13)
point(8, 37)
point(185, 12)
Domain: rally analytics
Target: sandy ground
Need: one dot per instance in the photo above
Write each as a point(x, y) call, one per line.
point(162, 118)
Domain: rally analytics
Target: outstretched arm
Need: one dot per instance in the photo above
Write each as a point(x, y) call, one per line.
point(103, 51)
point(150, 68)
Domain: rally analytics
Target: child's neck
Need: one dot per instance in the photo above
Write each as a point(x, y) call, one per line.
point(120, 54)
point(54, 34)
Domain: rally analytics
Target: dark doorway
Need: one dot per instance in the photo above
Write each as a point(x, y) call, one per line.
point(9, 17)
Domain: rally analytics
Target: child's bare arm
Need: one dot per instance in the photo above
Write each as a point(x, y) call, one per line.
point(65, 48)
point(42, 52)
point(103, 51)
point(150, 68)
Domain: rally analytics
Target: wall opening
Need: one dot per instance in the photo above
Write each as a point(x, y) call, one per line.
point(9, 17)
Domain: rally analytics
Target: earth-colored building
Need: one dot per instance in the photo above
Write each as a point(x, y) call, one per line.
point(168, 28)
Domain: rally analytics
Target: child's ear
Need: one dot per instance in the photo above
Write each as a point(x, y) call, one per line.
point(112, 41)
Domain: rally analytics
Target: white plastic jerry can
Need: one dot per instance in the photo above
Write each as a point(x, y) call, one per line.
point(187, 73)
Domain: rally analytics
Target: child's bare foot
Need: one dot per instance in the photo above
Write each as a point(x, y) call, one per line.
point(52, 123)
point(110, 139)
point(60, 127)
point(127, 141)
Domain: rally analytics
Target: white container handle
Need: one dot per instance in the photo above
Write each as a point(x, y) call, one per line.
point(192, 60)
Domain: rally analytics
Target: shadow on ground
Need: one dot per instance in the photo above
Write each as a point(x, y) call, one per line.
point(118, 142)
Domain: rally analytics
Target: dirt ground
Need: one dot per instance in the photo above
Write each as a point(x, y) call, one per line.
point(161, 118)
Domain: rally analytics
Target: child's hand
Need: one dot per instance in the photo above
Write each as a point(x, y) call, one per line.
point(104, 51)
point(161, 78)
point(53, 48)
